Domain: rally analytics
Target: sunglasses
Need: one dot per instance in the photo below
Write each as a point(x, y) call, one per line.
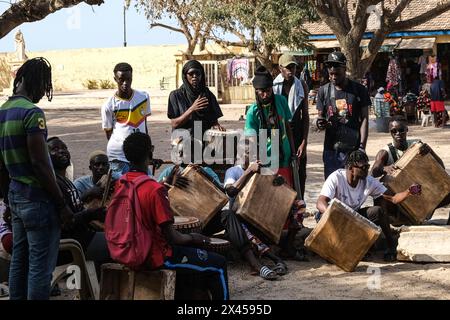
point(194, 73)
point(401, 130)
point(363, 167)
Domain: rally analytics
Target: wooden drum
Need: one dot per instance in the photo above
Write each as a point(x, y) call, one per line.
point(202, 199)
point(187, 224)
point(265, 206)
point(342, 236)
point(425, 170)
point(217, 245)
point(221, 146)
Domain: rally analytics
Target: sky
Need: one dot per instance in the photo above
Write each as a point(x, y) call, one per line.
point(84, 26)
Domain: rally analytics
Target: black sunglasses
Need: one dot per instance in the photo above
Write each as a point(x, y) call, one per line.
point(363, 167)
point(401, 130)
point(194, 73)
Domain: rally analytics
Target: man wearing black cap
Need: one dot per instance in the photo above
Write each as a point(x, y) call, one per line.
point(343, 107)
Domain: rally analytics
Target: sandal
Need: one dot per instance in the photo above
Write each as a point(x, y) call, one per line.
point(280, 268)
point(267, 274)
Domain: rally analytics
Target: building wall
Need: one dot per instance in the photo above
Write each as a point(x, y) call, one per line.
point(71, 68)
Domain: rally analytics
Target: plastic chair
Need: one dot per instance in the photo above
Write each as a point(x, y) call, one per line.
point(90, 289)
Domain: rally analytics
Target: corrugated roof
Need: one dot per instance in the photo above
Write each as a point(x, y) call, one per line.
point(415, 8)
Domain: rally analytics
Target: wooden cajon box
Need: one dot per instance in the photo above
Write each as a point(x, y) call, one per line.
point(202, 199)
point(342, 236)
point(265, 206)
point(424, 170)
point(121, 283)
point(424, 244)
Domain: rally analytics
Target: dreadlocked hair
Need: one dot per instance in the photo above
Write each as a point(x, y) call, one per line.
point(355, 157)
point(37, 76)
point(136, 147)
point(123, 67)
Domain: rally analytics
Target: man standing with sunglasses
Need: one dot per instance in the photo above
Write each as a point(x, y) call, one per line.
point(386, 157)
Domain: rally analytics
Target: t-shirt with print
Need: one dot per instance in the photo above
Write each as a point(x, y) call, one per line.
point(155, 205)
point(349, 103)
point(398, 151)
point(19, 117)
point(124, 117)
point(253, 124)
point(336, 186)
point(231, 176)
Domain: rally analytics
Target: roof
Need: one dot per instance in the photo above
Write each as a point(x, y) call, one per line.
point(415, 8)
point(216, 49)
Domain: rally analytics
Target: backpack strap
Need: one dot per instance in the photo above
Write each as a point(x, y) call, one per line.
point(393, 152)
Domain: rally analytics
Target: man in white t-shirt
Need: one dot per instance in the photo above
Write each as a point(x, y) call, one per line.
point(124, 113)
point(353, 186)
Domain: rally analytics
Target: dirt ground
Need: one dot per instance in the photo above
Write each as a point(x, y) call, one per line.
point(76, 119)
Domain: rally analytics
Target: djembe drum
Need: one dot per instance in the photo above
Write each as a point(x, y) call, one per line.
point(222, 146)
point(217, 245)
point(187, 224)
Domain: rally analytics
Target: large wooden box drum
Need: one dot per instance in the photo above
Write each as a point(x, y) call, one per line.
point(222, 146)
point(425, 170)
point(342, 236)
point(201, 199)
point(265, 206)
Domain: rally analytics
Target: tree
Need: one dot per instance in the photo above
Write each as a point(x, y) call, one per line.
point(262, 26)
point(22, 11)
point(349, 31)
point(188, 13)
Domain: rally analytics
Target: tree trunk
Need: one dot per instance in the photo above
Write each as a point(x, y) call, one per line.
point(352, 53)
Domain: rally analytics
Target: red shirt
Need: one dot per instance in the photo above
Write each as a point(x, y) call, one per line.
point(156, 209)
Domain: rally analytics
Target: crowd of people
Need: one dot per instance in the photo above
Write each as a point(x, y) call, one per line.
point(42, 205)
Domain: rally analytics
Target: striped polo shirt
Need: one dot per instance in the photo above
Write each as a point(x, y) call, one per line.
point(19, 117)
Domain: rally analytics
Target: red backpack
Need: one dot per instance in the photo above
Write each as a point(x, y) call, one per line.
point(128, 240)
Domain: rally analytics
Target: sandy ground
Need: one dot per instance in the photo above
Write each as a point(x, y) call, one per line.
point(75, 118)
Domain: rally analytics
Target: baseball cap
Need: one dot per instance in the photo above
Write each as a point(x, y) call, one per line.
point(287, 59)
point(336, 58)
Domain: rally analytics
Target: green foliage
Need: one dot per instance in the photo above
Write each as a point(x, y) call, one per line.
point(91, 84)
point(106, 84)
point(263, 25)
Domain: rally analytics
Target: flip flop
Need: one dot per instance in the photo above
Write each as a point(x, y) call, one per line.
point(280, 268)
point(267, 274)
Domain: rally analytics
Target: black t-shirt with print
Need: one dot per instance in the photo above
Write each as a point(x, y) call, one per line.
point(349, 103)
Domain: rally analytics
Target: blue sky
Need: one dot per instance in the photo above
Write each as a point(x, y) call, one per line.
point(84, 26)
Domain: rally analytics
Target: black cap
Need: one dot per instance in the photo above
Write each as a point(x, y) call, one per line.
point(336, 59)
point(262, 79)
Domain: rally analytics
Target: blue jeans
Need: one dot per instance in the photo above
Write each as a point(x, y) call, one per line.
point(332, 160)
point(119, 167)
point(36, 233)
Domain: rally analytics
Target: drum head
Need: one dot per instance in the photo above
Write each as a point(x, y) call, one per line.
point(179, 220)
point(218, 241)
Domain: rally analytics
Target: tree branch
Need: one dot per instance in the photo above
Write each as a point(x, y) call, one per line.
point(166, 26)
point(29, 11)
point(407, 24)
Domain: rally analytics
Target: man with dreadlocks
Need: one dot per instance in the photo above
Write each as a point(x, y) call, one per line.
point(353, 186)
point(271, 113)
point(124, 113)
point(28, 183)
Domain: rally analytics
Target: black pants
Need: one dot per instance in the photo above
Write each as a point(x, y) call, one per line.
point(228, 220)
point(377, 215)
point(199, 269)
